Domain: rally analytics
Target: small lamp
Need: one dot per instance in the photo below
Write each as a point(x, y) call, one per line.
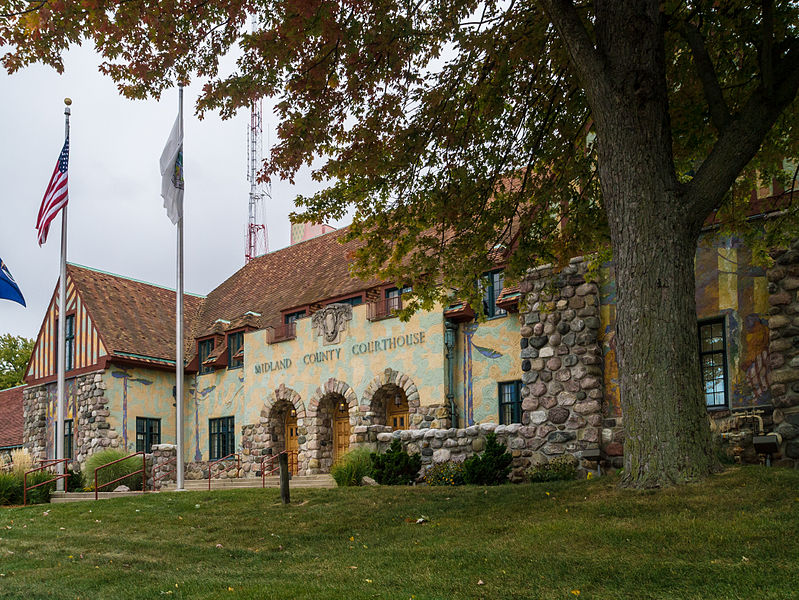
point(293, 412)
point(342, 406)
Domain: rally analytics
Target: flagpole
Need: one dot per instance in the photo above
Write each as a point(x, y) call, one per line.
point(179, 328)
point(62, 328)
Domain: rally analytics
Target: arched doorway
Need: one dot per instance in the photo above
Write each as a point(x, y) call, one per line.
point(292, 444)
point(283, 432)
point(333, 426)
point(389, 406)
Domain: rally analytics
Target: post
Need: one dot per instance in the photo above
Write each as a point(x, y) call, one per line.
point(62, 330)
point(179, 333)
point(283, 461)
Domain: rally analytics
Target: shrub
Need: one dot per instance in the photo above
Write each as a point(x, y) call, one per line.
point(10, 489)
point(40, 495)
point(562, 468)
point(490, 468)
point(21, 461)
point(351, 468)
point(395, 466)
point(113, 472)
point(448, 473)
point(76, 481)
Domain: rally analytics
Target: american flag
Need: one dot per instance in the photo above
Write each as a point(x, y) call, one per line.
point(56, 195)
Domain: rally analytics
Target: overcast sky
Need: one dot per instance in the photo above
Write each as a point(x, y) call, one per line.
point(117, 222)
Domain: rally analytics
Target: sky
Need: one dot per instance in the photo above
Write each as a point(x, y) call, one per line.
point(116, 219)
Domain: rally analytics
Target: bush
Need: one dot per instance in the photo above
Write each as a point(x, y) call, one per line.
point(10, 489)
point(76, 481)
point(395, 466)
point(351, 468)
point(562, 468)
point(113, 472)
point(448, 473)
point(21, 461)
point(490, 468)
point(40, 495)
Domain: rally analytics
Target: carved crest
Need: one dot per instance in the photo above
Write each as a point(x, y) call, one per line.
point(331, 321)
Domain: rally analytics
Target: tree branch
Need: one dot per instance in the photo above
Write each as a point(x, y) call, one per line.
point(588, 63)
point(741, 139)
point(719, 111)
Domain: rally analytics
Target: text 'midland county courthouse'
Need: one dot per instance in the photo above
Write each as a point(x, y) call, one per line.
point(292, 353)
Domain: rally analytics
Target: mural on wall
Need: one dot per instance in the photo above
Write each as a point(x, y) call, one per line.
point(728, 285)
point(126, 377)
point(468, 387)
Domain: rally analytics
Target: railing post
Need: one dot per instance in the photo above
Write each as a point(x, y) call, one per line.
point(25, 489)
point(283, 461)
point(144, 473)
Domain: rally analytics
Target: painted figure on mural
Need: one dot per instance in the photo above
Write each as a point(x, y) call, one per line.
point(126, 377)
point(468, 387)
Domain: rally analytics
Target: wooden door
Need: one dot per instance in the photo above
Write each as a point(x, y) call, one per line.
point(341, 434)
point(397, 415)
point(291, 442)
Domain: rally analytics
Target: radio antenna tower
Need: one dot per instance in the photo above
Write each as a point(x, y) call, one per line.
point(257, 242)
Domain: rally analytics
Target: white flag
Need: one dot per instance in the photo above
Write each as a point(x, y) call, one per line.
point(172, 173)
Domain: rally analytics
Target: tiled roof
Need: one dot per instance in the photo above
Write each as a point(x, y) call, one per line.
point(11, 417)
point(134, 318)
point(305, 273)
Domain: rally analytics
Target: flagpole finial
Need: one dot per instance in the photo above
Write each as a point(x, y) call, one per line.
point(67, 101)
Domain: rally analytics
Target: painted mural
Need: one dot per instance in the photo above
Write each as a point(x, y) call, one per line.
point(489, 355)
point(727, 285)
point(138, 392)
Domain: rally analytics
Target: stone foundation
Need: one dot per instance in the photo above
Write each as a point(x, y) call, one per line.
point(163, 467)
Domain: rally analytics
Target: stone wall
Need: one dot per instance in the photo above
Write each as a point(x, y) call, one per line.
point(783, 323)
point(562, 384)
point(162, 465)
point(91, 429)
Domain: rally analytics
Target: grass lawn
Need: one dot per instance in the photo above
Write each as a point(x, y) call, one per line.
point(736, 536)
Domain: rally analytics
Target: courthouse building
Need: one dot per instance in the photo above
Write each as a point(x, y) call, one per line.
point(292, 353)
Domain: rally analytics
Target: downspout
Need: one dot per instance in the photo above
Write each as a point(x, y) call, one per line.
point(450, 337)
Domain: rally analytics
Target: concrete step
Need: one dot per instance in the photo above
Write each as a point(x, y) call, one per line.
point(298, 481)
point(57, 497)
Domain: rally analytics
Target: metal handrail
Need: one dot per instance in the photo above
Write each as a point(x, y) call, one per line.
point(50, 463)
point(272, 458)
point(172, 461)
point(143, 472)
point(224, 458)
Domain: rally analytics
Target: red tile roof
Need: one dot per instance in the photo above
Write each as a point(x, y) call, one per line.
point(134, 317)
point(305, 273)
point(11, 417)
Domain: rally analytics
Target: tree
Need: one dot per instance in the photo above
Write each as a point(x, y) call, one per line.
point(461, 130)
point(15, 352)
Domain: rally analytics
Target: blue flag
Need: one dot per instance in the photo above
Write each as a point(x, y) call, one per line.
point(8, 287)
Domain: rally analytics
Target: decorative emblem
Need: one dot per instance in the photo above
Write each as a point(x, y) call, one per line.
point(331, 321)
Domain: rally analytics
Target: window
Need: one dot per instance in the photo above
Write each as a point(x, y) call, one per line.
point(291, 317)
point(235, 344)
point(394, 297)
point(713, 362)
point(68, 434)
point(492, 284)
point(354, 301)
point(204, 349)
point(148, 433)
point(222, 439)
point(510, 404)
point(69, 325)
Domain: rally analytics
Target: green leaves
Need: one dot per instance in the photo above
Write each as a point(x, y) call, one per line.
point(15, 352)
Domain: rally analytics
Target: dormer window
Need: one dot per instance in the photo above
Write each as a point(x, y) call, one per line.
point(204, 349)
point(235, 347)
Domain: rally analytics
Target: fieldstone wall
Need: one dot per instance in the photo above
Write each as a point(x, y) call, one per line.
point(162, 465)
point(783, 323)
point(562, 362)
point(91, 429)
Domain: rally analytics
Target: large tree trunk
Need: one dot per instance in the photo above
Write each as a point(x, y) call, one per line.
point(654, 232)
point(654, 237)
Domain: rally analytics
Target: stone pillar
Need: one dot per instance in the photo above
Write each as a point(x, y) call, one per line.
point(561, 360)
point(783, 324)
point(163, 465)
point(34, 415)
